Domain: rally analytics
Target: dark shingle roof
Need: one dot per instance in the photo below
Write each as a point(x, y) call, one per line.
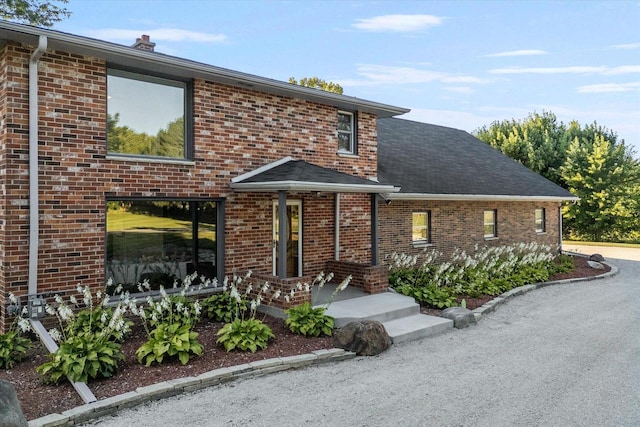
point(427, 159)
point(298, 175)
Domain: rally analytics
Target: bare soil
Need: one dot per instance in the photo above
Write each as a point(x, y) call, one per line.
point(38, 399)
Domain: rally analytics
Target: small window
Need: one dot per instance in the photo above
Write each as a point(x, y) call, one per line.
point(541, 220)
point(147, 116)
point(346, 132)
point(491, 223)
point(421, 227)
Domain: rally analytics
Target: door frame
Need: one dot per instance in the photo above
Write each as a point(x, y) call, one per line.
point(274, 233)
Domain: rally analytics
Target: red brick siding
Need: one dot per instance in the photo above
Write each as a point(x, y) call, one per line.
point(460, 224)
point(235, 131)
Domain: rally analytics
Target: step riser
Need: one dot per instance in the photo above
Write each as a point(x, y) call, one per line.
point(380, 317)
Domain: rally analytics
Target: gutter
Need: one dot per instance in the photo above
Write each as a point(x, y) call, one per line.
point(479, 197)
point(34, 230)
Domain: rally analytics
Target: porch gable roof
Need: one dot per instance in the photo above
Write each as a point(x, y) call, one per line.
point(289, 174)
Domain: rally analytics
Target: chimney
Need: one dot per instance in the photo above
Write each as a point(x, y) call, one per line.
point(143, 43)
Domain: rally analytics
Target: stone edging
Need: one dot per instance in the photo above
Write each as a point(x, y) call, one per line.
point(490, 306)
point(111, 405)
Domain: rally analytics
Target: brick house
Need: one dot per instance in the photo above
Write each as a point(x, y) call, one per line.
point(119, 162)
point(458, 192)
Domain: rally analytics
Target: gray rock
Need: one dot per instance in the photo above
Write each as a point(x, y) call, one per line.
point(461, 316)
point(595, 265)
point(365, 338)
point(596, 258)
point(10, 412)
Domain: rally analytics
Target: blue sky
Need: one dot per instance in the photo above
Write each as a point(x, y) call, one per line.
point(462, 64)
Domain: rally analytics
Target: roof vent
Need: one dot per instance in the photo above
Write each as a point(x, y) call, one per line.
point(143, 43)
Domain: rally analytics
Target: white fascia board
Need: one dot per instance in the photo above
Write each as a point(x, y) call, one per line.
point(312, 186)
point(480, 197)
point(261, 169)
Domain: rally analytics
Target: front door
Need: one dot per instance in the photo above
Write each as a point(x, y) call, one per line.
point(294, 238)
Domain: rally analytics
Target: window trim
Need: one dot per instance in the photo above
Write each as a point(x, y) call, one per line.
point(427, 240)
point(354, 133)
point(157, 78)
point(494, 224)
point(543, 221)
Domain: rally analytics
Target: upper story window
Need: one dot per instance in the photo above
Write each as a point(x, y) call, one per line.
point(346, 132)
point(421, 227)
point(490, 224)
point(147, 116)
point(540, 219)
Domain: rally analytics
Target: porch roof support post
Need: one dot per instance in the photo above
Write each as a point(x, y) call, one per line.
point(336, 237)
point(282, 234)
point(374, 229)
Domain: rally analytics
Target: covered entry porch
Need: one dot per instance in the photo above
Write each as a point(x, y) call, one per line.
point(313, 204)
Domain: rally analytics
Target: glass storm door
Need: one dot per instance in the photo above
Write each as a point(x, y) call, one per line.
point(294, 238)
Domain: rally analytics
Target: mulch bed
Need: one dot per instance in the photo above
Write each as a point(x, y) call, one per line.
point(39, 399)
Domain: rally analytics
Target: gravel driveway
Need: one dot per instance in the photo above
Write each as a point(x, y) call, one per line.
point(566, 355)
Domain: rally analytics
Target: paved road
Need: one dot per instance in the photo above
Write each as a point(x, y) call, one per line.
point(564, 355)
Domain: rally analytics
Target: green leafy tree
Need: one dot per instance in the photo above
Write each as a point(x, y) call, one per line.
point(538, 142)
point(316, 83)
point(170, 141)
point(34, 12)
point(604, 174)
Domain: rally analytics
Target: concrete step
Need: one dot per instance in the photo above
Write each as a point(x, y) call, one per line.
point(415, 327)
point(381, 307)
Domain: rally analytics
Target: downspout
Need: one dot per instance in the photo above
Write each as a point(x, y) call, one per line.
point(336, 232)
point(34, 230)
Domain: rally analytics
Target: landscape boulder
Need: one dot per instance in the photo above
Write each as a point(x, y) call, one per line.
point(10, 412)
point(596, 258)
point(364, 337)
point(595, 265)
point(461, 317)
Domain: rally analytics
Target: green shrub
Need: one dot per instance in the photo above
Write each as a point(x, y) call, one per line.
point(306, 320)
point(169, 340)
point(431, 295)
point(81, 358)
point(222, 307)
point(562, 264)
point(245, 334)
point(13, 348)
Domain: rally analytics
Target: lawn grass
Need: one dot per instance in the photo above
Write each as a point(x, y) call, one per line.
point(616, 245)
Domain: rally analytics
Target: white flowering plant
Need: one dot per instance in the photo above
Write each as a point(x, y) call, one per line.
point(308, 318)
point(485, 271)
point(88, 333)
point(13, 344)
point(245, 332)
point(169, 323)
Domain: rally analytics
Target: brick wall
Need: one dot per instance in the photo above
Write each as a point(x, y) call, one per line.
point(460, 224)
point(235, 131)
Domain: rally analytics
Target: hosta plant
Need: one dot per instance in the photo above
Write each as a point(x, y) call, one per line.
point(14, 346)
point(245, 335)
point(306, 320)
point(222, 307)
point(82, 358)
point(169, 340)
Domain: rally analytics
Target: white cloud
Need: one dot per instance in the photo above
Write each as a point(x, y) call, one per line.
point(398, 23)
point(157, 34)
point(609, 87)
point(382, 74)
point(459, 89)
point(603, 70)
point(518, 53)
point(627, 46)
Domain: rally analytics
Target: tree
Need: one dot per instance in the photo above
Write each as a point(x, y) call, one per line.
point(34, 12)
point(537, 142)
point(606, 177)
point(316, 83)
